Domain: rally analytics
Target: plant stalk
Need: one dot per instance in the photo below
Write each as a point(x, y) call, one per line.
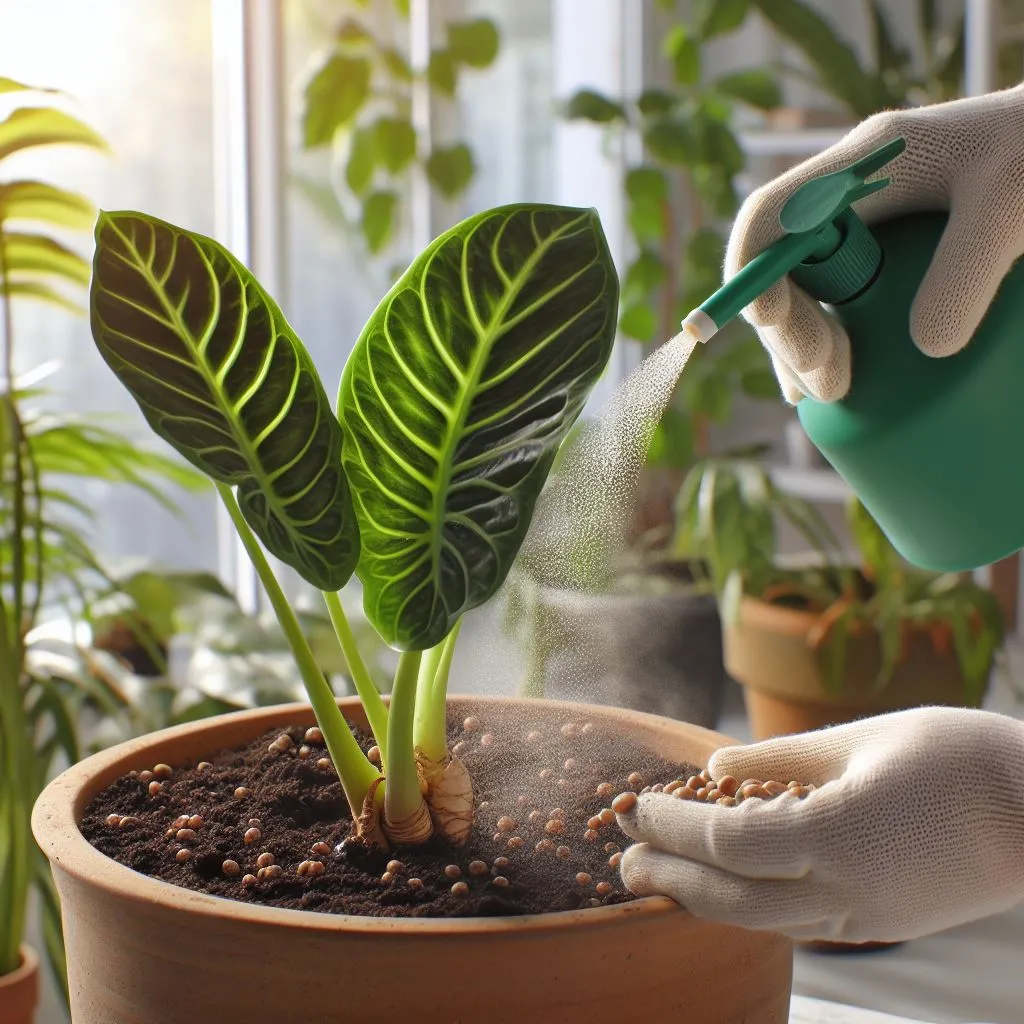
point(406, 818)
point(373, 704)
point(424, 688)
point(431, 702)
point(356, 773)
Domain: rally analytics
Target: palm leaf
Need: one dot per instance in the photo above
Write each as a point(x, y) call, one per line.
point(43, 126)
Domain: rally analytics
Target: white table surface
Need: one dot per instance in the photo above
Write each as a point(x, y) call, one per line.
point(805, 1010)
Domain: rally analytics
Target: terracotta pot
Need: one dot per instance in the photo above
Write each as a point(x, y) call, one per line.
point(142, 951)
point(783, 677)
point(19, 990)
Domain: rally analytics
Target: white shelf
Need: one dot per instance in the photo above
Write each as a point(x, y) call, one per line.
point(812, 484)
point(802, 142)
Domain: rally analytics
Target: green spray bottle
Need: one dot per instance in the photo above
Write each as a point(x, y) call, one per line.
point(930, 446)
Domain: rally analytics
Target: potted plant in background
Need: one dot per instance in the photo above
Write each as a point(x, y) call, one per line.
point(647, 634)
point(451, 409)
point(45, 548)
point(179, 647)
point(835, 638)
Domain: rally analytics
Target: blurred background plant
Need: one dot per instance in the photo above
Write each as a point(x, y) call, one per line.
point(361, 102)
point(727, 516)
point(680, 198)
point(46, 458)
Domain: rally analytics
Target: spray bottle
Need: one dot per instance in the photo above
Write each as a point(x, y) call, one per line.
point(930, 446)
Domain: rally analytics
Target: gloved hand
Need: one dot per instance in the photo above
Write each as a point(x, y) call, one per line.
point(918, 825)
point(964, 156)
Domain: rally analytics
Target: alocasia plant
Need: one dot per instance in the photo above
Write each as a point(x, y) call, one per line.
point(452, 406)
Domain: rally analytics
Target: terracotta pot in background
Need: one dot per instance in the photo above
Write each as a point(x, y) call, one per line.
point(19, 990)
point(141, 951)
point(783, 679)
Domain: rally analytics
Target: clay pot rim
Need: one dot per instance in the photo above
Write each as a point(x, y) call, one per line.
point(766, 615)
point(56, 818)
point(29, 965)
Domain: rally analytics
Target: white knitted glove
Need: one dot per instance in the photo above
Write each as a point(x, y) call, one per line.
point(918, 826)
point(966, 156)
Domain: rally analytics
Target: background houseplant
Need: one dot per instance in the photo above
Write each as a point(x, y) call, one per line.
point(45, 553)
point(648, 636)
point(359, 101)
point(836, 637)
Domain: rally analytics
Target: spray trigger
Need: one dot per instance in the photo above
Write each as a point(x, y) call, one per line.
point(821, 200)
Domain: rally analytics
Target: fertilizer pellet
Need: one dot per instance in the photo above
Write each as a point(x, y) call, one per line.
point(624, 803)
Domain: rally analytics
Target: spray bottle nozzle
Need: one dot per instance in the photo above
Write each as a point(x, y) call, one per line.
point(826, 248)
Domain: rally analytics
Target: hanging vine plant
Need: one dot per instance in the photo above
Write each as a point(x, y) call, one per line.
point(359, 102)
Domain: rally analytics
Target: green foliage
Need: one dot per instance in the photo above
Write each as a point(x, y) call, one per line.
point(46, 558)
point(360, 97)
point(451, 169)
point(473, 43)
point(727, 513)
point(334, 96)
point(588, 105)
point(220, 376)
point(679, 201)
point(451, 410)
point(889, 80)
point(482, 356)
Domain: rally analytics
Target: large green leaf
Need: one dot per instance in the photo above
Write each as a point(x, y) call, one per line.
point(220, 375)
point(459, 391)
point(41, 126)
point(36, 200)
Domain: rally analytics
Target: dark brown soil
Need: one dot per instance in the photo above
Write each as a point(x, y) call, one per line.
point(298, 803)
